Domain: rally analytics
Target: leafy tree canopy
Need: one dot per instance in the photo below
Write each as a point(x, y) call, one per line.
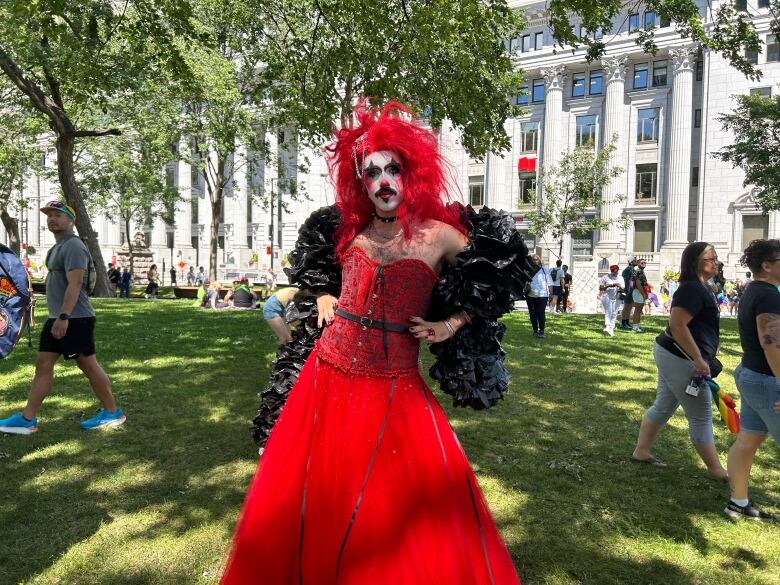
point(573, 194)
point(446, 58)
point(755, 127)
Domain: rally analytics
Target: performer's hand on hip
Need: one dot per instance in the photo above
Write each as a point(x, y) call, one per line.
point(433, 332)
point(326, 307)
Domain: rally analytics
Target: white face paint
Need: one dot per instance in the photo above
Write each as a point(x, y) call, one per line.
point(382, 174)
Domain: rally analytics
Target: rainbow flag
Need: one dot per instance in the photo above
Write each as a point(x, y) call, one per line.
point(726, 406)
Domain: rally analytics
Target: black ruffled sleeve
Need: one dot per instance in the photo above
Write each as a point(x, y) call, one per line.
point(313, 262)
point(314, 268)
point(487, 279)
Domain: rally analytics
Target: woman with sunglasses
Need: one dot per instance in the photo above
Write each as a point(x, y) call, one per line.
point(687, 349)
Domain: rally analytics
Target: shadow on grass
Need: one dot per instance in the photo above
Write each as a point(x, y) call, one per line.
point(554, 456)
point(563, 438)
point(187, 380)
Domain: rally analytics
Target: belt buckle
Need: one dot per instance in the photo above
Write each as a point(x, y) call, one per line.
point(366, 322)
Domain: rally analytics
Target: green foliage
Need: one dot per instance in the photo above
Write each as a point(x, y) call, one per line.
point(729, 32)
point(672, 275)
point(755, 127)
point(572, 194)
point(446, 59)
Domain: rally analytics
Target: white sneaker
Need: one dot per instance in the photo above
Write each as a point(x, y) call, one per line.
point(610, 332)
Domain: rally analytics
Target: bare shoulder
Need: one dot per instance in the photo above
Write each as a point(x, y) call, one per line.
point(443, 231)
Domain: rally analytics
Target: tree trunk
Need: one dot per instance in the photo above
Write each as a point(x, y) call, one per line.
point(214, 233)
point(129, 241)
point(11, 225)
point(67, 176)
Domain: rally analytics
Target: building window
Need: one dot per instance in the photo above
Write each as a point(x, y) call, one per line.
point(697, 118)
point(772, 49)
point(477, 190)
point(754, 227)
point(194, 207)
point(695, 177)
point(514, 45)
point(763, 3)
point(170, 177)
point(659, 73)
point(221, 242)
point(633, 22)
point(699, 70)
point(537, 90)
point(526, 43)
point(644, 235)
point(538, 40)
point(647, 125)
point(521, 99)
point(169, 240)
point(751, 57)
point(741, 5)
point(599, 34)
point(646, 184)
point(666, 22)
point(527, 188)
point(529, 136)
point(578, 85)
point(586, 131)
point(582, 244)
point(596, 82)
point(649, 20)
point(640, 76)
point(762, 91)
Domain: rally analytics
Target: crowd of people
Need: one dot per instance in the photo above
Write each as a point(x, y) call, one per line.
point(367, 478)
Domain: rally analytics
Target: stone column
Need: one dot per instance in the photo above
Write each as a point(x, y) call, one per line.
point(552, 137)
point(238, 215)
point(553, 114)
point(183, 213)
point(678, 194)
point(614, 108)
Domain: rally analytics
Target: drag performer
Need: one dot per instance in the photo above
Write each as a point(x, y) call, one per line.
point(362, 479)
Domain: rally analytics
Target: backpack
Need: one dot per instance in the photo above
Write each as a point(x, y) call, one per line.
point(554, 274)
point(16, 301)
point(90, 275)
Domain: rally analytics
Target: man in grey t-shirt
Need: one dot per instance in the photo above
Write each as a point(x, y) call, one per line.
point(69, 330)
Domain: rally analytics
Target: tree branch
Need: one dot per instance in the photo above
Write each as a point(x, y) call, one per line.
point(86, 133)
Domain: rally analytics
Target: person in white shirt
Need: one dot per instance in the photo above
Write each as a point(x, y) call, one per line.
point(610, 287)
point(540, 289)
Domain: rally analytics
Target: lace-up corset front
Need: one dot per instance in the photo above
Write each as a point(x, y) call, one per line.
point(389, 293)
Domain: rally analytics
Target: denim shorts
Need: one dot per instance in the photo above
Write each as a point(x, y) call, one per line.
point(759, 393)
point(273, 308)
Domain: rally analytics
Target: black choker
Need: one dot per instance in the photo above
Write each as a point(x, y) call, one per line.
point(383, 219)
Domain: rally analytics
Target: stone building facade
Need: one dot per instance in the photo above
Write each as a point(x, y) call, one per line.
point(663, 109)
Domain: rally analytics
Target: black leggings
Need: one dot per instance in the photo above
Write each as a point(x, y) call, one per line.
point(537, 307)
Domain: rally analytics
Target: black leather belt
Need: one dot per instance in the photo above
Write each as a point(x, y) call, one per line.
point(376, 324)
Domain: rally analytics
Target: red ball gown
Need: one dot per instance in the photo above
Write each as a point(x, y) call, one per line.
point(363, 480)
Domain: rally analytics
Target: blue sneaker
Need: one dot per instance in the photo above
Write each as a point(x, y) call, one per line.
point(104, 419)
point(18, 425)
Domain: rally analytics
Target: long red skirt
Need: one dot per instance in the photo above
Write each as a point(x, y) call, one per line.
point(364, 482)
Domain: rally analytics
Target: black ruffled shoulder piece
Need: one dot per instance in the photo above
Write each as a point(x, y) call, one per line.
point(486, 281)
point(314, 265)
point(290, 358)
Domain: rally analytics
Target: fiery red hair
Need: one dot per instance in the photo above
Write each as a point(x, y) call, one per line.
point(375, 129)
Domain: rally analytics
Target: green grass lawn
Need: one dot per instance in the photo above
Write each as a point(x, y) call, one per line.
point(156, 500)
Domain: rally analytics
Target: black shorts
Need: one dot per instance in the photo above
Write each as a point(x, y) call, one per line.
point(79, 340)
point(557, 290)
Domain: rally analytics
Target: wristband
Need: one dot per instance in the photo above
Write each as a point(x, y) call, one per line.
point(449, 327)
point(63, 317)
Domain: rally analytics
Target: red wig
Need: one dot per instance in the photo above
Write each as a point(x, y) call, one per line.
point(422, 167)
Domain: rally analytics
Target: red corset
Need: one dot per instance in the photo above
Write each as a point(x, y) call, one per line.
point(391, 293)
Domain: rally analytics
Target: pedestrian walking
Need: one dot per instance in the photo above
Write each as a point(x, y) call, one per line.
point(114, 276)
point(124, 285)
point(611, 289)
point(69, 330)
point(536, 298)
